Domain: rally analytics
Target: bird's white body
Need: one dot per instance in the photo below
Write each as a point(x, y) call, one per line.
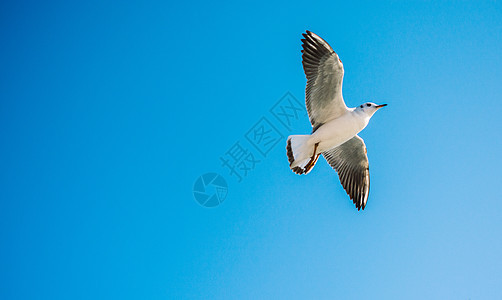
point(339, 130)
point(333, 133)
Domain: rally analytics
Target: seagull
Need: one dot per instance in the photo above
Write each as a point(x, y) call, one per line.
point(334, 125)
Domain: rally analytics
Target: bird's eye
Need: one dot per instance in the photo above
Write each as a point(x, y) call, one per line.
point(361, 106)
point(368, 105)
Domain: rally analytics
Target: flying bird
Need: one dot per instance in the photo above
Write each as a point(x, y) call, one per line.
point(334, 125)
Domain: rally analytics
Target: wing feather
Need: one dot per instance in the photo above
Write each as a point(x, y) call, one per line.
point(351, 163)
point(324, 71)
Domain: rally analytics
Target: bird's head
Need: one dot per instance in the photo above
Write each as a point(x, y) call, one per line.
point(370, 108)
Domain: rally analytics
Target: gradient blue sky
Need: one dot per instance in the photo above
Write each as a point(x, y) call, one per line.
point(109, 112)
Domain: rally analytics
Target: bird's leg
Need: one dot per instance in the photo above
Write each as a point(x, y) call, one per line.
point(313, 159)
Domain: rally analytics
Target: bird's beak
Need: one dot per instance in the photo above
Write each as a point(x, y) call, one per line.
point(380, 106)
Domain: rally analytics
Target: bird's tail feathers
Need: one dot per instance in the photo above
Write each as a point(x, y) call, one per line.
point(301, 155)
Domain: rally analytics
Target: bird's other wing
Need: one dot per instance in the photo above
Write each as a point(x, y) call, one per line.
point(351, 163)
point(324, 72)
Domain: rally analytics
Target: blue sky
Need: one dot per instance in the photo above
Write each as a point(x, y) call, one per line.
point(110, 112)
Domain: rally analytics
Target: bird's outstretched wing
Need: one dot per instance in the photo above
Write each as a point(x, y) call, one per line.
point(324, 72)
point(351, 163)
